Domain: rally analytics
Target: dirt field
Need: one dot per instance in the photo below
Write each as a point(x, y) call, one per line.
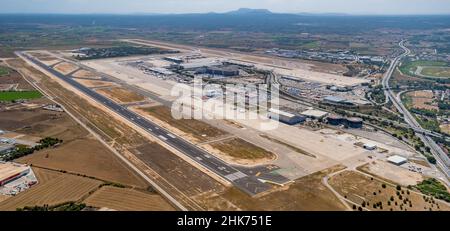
point(96, 83)
point(85, 74)
point(393, 173)
point(124, 199)
point(88, 157)
point(121, 95)
point(66, 68)
point(199, 130)
point(54, 191)
point(13, 77)
point(422, 100)
point(305, 194)
point(241, 151)
point(445, 128)
point(363, 190)
point(44, 175)
point(184, 176)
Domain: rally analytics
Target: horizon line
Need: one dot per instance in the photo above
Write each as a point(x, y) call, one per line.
point(227, 12)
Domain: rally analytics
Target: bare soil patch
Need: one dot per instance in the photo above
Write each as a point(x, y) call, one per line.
point(241, 151)
point(96, 83)
point(367, 192)
point(304, 194)
point(200, 131)
point(85, 74)
point(65, 68)
point(121, 95)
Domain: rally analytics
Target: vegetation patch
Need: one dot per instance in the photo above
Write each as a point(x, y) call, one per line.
point(69, 206)
point(17, 95)
point(438, 72)
point(4, 71)
point(22, 150)
point(410, 67)
point(434, 188)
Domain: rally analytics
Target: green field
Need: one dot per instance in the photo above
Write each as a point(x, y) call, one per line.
point(4, 71)
point(311, 45)
point(438, 72)
point(15, 95)
point(410, 67)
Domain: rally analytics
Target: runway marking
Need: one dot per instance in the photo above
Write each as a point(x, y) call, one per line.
point(162, 137)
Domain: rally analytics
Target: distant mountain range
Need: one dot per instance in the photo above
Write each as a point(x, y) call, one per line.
point(250, 11)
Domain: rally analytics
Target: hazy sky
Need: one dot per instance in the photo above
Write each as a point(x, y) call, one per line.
point(189, 6)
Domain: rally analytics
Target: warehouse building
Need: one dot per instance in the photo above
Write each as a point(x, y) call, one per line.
point(354, 122)
point(174, 59)
point(285, 117)
point(335, 120)
point(397, 160)
point(370, 146)
point(314, 114)
point(334, 100)
point(11, 171)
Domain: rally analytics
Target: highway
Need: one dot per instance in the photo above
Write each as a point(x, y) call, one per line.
point(442, 160)
point(248, 184)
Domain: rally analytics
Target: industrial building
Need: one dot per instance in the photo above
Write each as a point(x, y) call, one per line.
point(285, 117)
point(338, 88)
point(6, 148)
point(335, 120)
point(315, 114)
point(370, 146)
point(397, 160)
point(174, 59)
point(333, 100)
point(352, 122)
point(10, 171)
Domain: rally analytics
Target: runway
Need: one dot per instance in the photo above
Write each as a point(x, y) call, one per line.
point(249, 184)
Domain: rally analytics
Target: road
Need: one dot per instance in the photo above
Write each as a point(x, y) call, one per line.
point(248, 184)
point(442, 160)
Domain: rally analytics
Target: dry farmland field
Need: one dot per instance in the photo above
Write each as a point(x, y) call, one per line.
point(125, 199)
point(422, 100)
point(53, 191)
point(373, 194)
point(121, 95)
